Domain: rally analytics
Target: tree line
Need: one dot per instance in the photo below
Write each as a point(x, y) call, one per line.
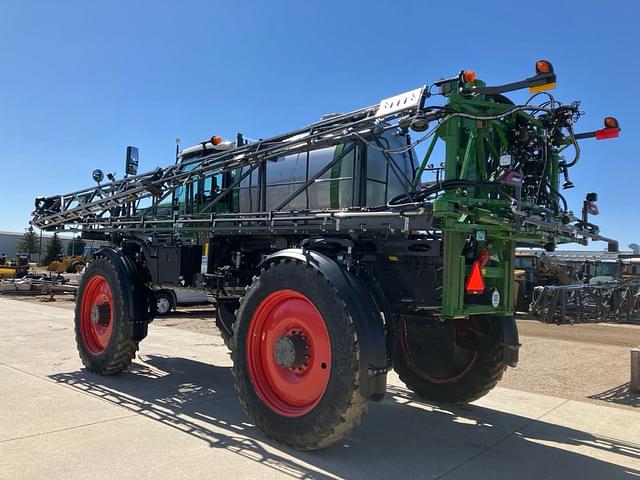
point(30, 244)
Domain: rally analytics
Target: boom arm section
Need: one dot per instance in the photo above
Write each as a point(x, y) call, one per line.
point(96, 205)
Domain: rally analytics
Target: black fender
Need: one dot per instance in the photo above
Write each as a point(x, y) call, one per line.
point(381, 303)
point(139, 298)
point(368, 323)
point(510, 340)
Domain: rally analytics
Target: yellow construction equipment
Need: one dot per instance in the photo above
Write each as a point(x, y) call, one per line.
point(15, 268)
point(71, 264)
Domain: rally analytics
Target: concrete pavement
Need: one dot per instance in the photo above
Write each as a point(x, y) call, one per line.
point(175, 415)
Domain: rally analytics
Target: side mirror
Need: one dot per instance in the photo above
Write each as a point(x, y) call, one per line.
point(589, 206)
point(590, 203)
point(131, 164)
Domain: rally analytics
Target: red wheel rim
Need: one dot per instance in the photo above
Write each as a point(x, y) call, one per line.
point(455, 374)
point(96, 314)
point(287, 321)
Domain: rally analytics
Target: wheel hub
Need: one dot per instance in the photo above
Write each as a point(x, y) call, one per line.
point(97, 315)
point(288, 353)
point(163, 305)
point(101, 314)
point(291, 351)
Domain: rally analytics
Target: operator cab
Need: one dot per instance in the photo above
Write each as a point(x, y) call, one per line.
point(193, 197)
point(215, 144)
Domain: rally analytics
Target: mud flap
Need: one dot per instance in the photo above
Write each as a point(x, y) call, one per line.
point(510, 340)
point(226, 315)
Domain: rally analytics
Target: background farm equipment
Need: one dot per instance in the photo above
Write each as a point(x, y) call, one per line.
point(614, 302)
point(535, 268)
point(69, 264)
point(14, 268)
point(37, 285)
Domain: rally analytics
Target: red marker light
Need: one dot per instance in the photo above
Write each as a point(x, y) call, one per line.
point(606, 133)
point(484, 257)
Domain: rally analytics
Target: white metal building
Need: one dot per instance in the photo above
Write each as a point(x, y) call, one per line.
point(9, 242)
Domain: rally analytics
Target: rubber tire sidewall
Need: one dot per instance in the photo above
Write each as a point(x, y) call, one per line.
point(117, 355)
point(341, 405)
point(478, 380)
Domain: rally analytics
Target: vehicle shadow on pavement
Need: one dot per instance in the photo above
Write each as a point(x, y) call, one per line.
point(401, 437)
point(621, 395)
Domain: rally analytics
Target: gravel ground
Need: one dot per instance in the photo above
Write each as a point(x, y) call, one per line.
point(589, 363)
point(582, 368)
point(62, 301)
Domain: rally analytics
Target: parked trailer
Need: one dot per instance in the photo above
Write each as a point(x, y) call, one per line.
point(332, 259)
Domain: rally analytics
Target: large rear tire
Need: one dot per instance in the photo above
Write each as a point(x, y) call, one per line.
point(102, 325)
point(296, 357)
point(471, 374)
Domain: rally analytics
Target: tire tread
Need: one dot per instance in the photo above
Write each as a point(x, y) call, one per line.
point(347, 415)
point(117, 357)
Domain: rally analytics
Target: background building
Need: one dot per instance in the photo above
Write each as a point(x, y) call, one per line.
point(9, 242)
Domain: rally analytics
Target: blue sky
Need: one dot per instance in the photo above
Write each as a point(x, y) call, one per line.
point(81, 80)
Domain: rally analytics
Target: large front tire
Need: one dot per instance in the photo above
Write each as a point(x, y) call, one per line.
point(102, 325)
point(472, 373)
point(296, 357)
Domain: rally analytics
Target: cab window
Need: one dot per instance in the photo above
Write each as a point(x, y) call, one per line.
point(193, 196)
